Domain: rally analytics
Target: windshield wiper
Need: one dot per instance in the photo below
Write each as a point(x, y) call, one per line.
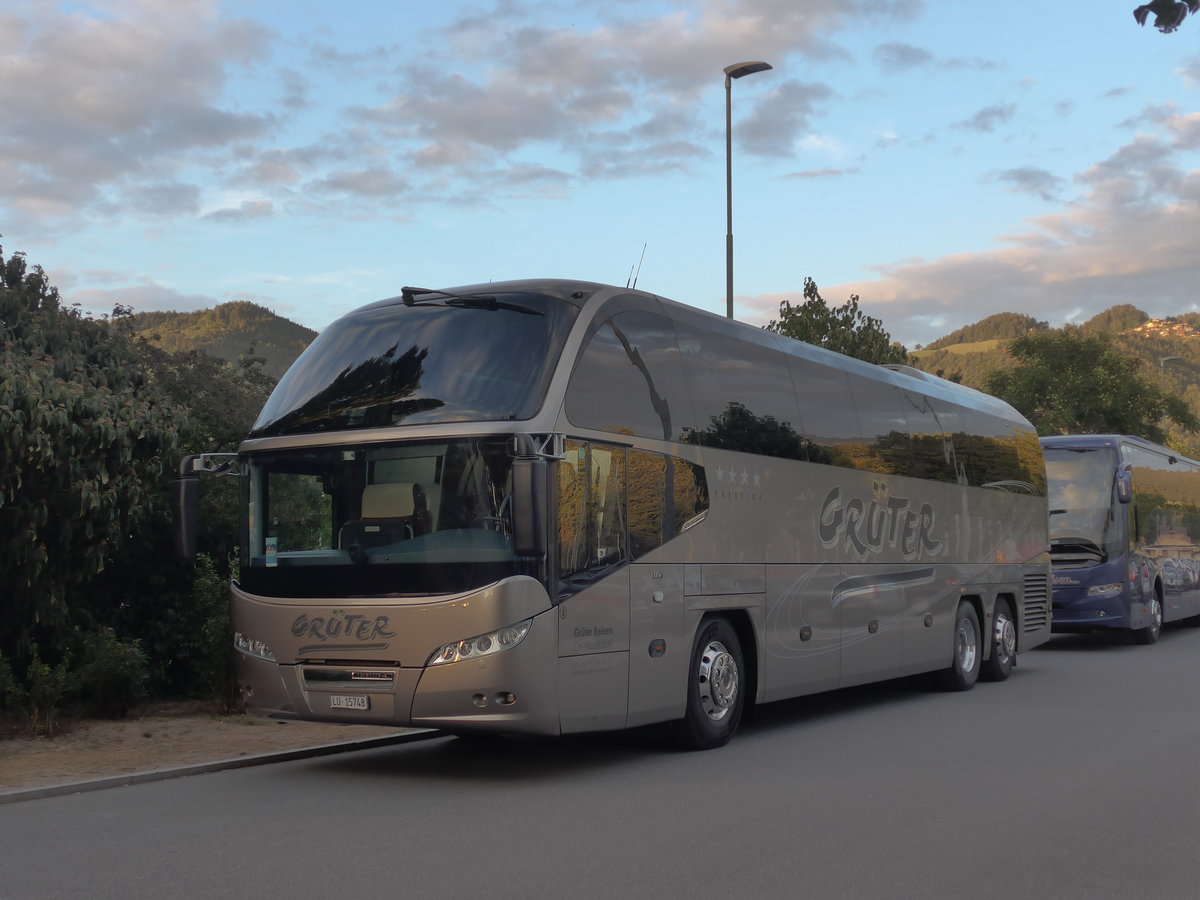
point(463, 301)
point(1077, 544)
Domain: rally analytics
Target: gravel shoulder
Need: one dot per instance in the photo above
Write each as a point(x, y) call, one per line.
point(158, 737)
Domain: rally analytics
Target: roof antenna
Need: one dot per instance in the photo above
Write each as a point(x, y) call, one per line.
point(639, 268)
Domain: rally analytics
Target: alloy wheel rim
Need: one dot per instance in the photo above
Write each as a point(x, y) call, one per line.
point(968, 647)
point(718, 681)
point(1006, 636)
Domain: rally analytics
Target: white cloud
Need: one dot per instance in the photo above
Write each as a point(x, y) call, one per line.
point(1131, 238)
point(114, 105)
point(97, 107)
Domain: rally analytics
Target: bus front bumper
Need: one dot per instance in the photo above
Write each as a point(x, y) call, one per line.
point(513, 691)
point(1075, 611)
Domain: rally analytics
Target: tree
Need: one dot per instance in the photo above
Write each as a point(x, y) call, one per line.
point(1168, 14)
point(844, 329)
point(178, 611)
point(84, 437)
point(1067, 382)
point(93, 419)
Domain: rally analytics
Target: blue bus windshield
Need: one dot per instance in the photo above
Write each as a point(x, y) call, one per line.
point(1081, 497)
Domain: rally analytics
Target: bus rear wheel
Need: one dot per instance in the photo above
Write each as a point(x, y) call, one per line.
point(999, 665)
point(715, 690)
point(963, 671)
point(1150, 633)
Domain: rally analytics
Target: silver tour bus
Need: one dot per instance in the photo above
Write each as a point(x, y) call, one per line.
point(552, 506)
point(1124, 534)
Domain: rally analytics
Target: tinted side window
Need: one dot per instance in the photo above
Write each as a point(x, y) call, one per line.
point(932, 434)
point(741, 393)
point(657, 514)
point(629, 379)
point(826, 411)
point(1167, 497)
point(884, 443)
point(1000, 456)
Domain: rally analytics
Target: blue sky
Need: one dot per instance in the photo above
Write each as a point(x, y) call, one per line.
point(943, 160)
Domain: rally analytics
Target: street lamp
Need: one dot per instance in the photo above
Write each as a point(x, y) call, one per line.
point(1162, 367)
point(737, 70)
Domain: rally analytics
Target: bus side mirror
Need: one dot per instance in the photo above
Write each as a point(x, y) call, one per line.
point(185, 504)
point(529, 480)
point(1124, 486)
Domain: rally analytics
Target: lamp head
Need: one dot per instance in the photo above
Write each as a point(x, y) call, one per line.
point(737, 70)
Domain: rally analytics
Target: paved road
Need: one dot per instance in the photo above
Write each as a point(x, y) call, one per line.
point(1078, 778)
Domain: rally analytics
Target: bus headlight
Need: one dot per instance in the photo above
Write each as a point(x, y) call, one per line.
point(484, 645)
point(1103, 590)
point(251, 647)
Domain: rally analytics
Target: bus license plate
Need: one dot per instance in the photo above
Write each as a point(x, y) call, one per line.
point(348, 701)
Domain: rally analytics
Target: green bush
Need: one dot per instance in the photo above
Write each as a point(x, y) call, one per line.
point(13, 696)
point(210, 597)
point(111, 676)
point(48, 686)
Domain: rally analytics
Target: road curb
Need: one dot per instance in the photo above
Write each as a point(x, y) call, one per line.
point(240, 762)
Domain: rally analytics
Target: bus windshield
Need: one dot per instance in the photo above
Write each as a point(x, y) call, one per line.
point(1081, 498)
point(444, 358)
point(377, 520)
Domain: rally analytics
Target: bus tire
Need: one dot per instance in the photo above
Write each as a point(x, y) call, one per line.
point(963, 671)
point(1150, 633)
point(715, 690)
point(999, 664)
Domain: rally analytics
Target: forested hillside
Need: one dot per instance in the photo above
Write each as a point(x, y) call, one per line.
point(1001, 326)
point(228, 331)
point(1169, 350)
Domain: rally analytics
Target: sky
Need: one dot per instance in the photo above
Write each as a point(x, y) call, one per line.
point(942, 160)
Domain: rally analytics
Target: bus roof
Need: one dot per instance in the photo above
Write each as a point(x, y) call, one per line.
point(1111, 440)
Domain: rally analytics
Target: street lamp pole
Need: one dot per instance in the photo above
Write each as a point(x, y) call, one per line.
point(737, 70)
point(1162, 368)
point(1162, 383)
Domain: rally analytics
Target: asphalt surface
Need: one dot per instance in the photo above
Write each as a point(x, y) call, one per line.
point(1077, 779)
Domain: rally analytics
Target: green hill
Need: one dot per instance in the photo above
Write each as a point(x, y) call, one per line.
point(229, 331)
point(1116, 320)
point(1001, 326)
point(1168, 348)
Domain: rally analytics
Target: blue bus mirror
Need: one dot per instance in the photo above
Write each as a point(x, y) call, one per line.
point(1124, 485)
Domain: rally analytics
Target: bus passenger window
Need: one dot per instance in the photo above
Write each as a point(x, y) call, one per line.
point(591, 510)
point(572, 525)
point(656, 515)
point(647, 499)
point(606, 505)
point(690, 495)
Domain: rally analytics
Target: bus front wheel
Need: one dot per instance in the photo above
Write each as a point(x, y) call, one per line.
point(1150, 633)
point(963, 670)
point(715, 690)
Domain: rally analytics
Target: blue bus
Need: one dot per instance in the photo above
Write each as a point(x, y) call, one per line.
point(1124, 534)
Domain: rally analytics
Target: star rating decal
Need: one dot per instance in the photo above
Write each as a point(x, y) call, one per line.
point(742, 485)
